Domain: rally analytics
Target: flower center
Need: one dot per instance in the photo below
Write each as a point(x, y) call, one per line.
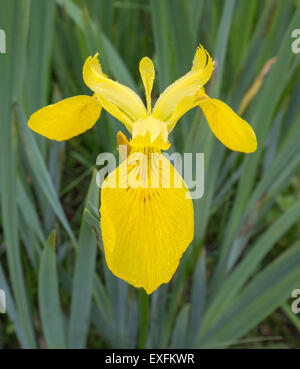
point(150, 132)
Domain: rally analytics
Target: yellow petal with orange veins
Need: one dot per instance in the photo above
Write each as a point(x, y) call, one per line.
point(67, 118)
point(145, 230)
point(233, 131)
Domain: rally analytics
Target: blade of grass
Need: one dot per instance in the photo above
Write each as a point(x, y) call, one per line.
point(183, 51)
point(161, 27)
point(14, 19)
point(292, 316)
point(222, 42)
point(39, 52)
point(268, 97)
point(50, 309)
point(262, 296)
point(197, 299)
point(180, 329)
point(247, 267)
point(212, 150)
point(83, 277)
point(11, 310)
point(196, 12)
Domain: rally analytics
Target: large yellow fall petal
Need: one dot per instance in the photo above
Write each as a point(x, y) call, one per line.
point(67, 118)
point(233, 131)
point(188, 85)
point(145, 230)
point(123, 97)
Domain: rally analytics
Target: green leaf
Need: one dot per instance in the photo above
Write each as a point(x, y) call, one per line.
point(39, 52)
point(263, 294)
point(198, 297)
point(268, 99)
point(50, 309)
point(246, 268)
point(14, 19)
point(161, 27)
point(83, 276)
point(180, 330)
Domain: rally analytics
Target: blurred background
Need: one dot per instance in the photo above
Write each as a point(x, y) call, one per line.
point(234, 285)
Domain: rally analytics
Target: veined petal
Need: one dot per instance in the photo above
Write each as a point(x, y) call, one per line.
point(116, 93)
point(233, 131)
point(145, 230)
point(188, 85)
point(67, 118)
point(147, 72)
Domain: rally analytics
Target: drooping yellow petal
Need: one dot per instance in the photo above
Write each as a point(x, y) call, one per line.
point(123, 97)
point(188, 85)
point(147, 72)
point(67, 118)
point(145, 230)
point(233, 131)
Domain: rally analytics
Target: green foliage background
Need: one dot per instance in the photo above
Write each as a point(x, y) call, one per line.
point(234, 283)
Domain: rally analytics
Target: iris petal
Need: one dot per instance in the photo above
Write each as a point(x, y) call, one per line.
point(123, 97)
point(67, 118)
point(233, 131)
point(186, 86)
point(145, 230)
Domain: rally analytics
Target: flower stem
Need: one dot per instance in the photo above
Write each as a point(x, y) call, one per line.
point(144, 318)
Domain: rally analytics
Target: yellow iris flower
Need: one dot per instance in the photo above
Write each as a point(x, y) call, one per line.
point(145, 229)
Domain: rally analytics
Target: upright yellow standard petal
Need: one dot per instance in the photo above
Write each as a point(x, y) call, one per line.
point(188, 85)
point(67, 118)
point(116, 93)
point(233, 131)
point(147, 72)
point(145, 230)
